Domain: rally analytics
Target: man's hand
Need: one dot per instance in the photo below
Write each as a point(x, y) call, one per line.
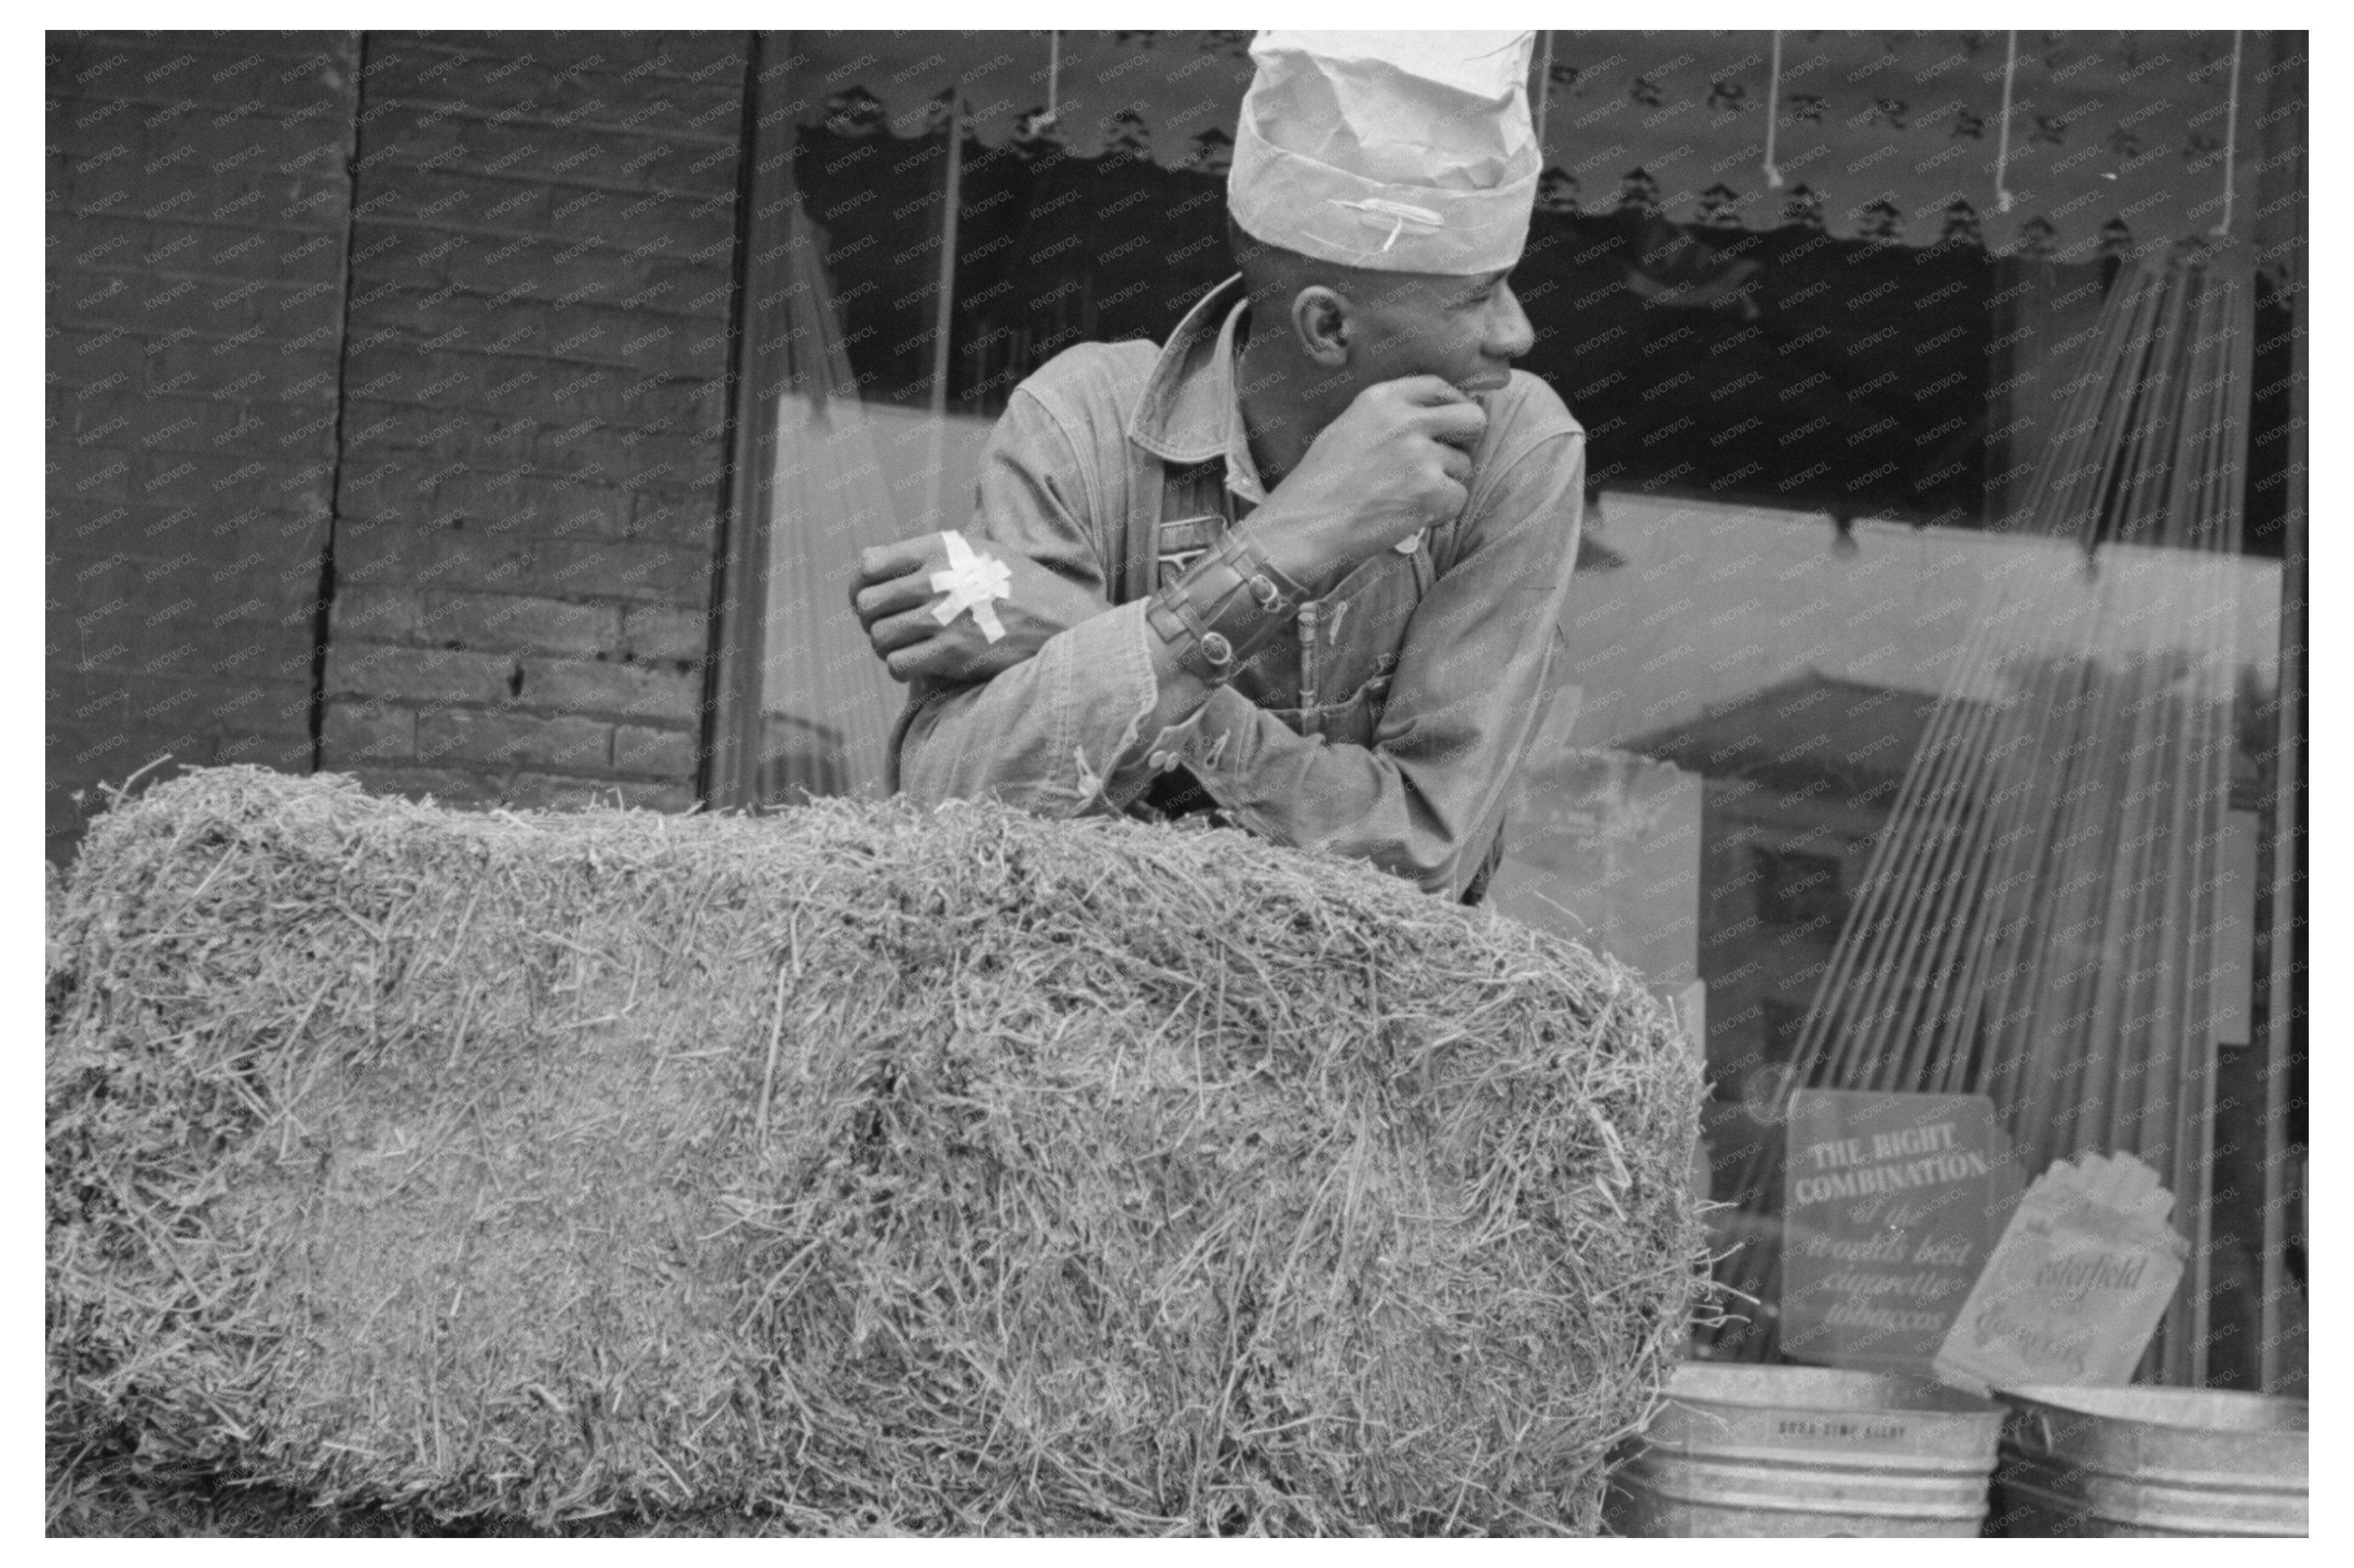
point(893, 595)
point(1396, 461)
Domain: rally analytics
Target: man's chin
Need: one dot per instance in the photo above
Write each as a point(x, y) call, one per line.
point(1480, 385)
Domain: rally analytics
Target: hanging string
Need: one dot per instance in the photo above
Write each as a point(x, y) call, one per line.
point(1053, 76)
point(951, 199)
point(1544, 92)
point(2230, 139)
point(2002, 148)
point(2069, 801)
point(1774, 115)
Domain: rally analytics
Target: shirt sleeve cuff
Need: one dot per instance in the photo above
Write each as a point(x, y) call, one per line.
point(1110, 648)
point(1214, 745)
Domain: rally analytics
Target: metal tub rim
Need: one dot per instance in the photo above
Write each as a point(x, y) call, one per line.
point(1810, 1450)
point(2153, 1461)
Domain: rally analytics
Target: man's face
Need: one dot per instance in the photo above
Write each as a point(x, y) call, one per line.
point(1466, 329)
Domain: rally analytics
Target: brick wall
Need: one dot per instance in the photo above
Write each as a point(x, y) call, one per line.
point(197, 204)
point(533, 454)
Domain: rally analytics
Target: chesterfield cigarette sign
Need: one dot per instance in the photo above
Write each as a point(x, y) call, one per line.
point(2076, 1287)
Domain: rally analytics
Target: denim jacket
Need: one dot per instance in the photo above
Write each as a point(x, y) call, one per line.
point(1386, 724)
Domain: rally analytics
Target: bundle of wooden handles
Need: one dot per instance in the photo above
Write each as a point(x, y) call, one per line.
point(2039, 919)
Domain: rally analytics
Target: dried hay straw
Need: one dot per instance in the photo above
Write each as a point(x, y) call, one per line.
point(848, 1168)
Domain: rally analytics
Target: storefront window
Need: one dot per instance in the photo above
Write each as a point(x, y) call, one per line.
point(1918, 695)
point(1080, 227)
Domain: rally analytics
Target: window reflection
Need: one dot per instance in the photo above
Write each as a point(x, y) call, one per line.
point(1856, 757)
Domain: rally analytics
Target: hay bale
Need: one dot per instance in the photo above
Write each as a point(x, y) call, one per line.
point(853, 1168)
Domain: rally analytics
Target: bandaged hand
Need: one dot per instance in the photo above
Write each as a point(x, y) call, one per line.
point(943, 607)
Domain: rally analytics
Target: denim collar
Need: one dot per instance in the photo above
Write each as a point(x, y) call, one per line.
point(1190, 412)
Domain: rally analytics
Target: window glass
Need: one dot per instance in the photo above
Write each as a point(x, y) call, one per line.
point(1102, 223)
point(1916, 694)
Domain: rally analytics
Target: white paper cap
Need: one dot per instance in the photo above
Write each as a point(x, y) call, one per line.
point(1403, 151)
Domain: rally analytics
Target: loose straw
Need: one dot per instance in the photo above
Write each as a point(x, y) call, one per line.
point(2230, 139)
point(1773, 114)
point(2002, 147)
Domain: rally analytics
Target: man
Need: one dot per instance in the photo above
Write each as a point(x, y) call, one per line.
point(1301, 567)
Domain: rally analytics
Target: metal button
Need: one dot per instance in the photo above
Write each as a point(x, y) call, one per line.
point(1169, 760)
point(1158, 762)
point(1265, 591)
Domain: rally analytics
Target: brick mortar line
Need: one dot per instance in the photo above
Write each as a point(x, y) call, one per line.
point(77, 322)
point(595, 246)
point(359, 649)
point(701, 198)
point(79, 93)
point(239, 279)
point(437, 44)
point(95, 90)
point(553, 185)
point(457, 109)
point(665, 490)
point(57, 208)
point(95, 131)
point(675, 379)
point(257, 226)
point(609, 428)
point(426, 530)
point(400, 453)
point(520, 709)
point(596, 596)
point(399, 220)
point(283, 225)
point(139, 333)
point(506, 297)
point(196, 39)
point(640, 538)
point(509, 295)
point(674, 550)
point(122, 327)
point(661, 378)
point(713, 320)
point(584, 598)
point(385, 450)
point(198, 111)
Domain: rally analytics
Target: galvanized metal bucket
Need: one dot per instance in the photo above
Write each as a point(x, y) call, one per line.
point(1744, 1450)
point(2152, 1461)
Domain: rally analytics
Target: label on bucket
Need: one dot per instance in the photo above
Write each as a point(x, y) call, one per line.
point(1887, 1215)
point(1841, 1428)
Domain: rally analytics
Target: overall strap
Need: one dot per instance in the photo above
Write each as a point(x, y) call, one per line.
point(1135, 574)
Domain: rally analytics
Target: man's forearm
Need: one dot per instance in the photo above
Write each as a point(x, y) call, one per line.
point(1421, 801)
point(1048, 734)
point(998, 735)
point(1058, 732)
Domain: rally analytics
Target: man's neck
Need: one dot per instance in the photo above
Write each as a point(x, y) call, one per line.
point(1283, 405)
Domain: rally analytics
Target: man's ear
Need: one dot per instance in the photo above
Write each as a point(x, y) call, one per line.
point(1320, 317)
